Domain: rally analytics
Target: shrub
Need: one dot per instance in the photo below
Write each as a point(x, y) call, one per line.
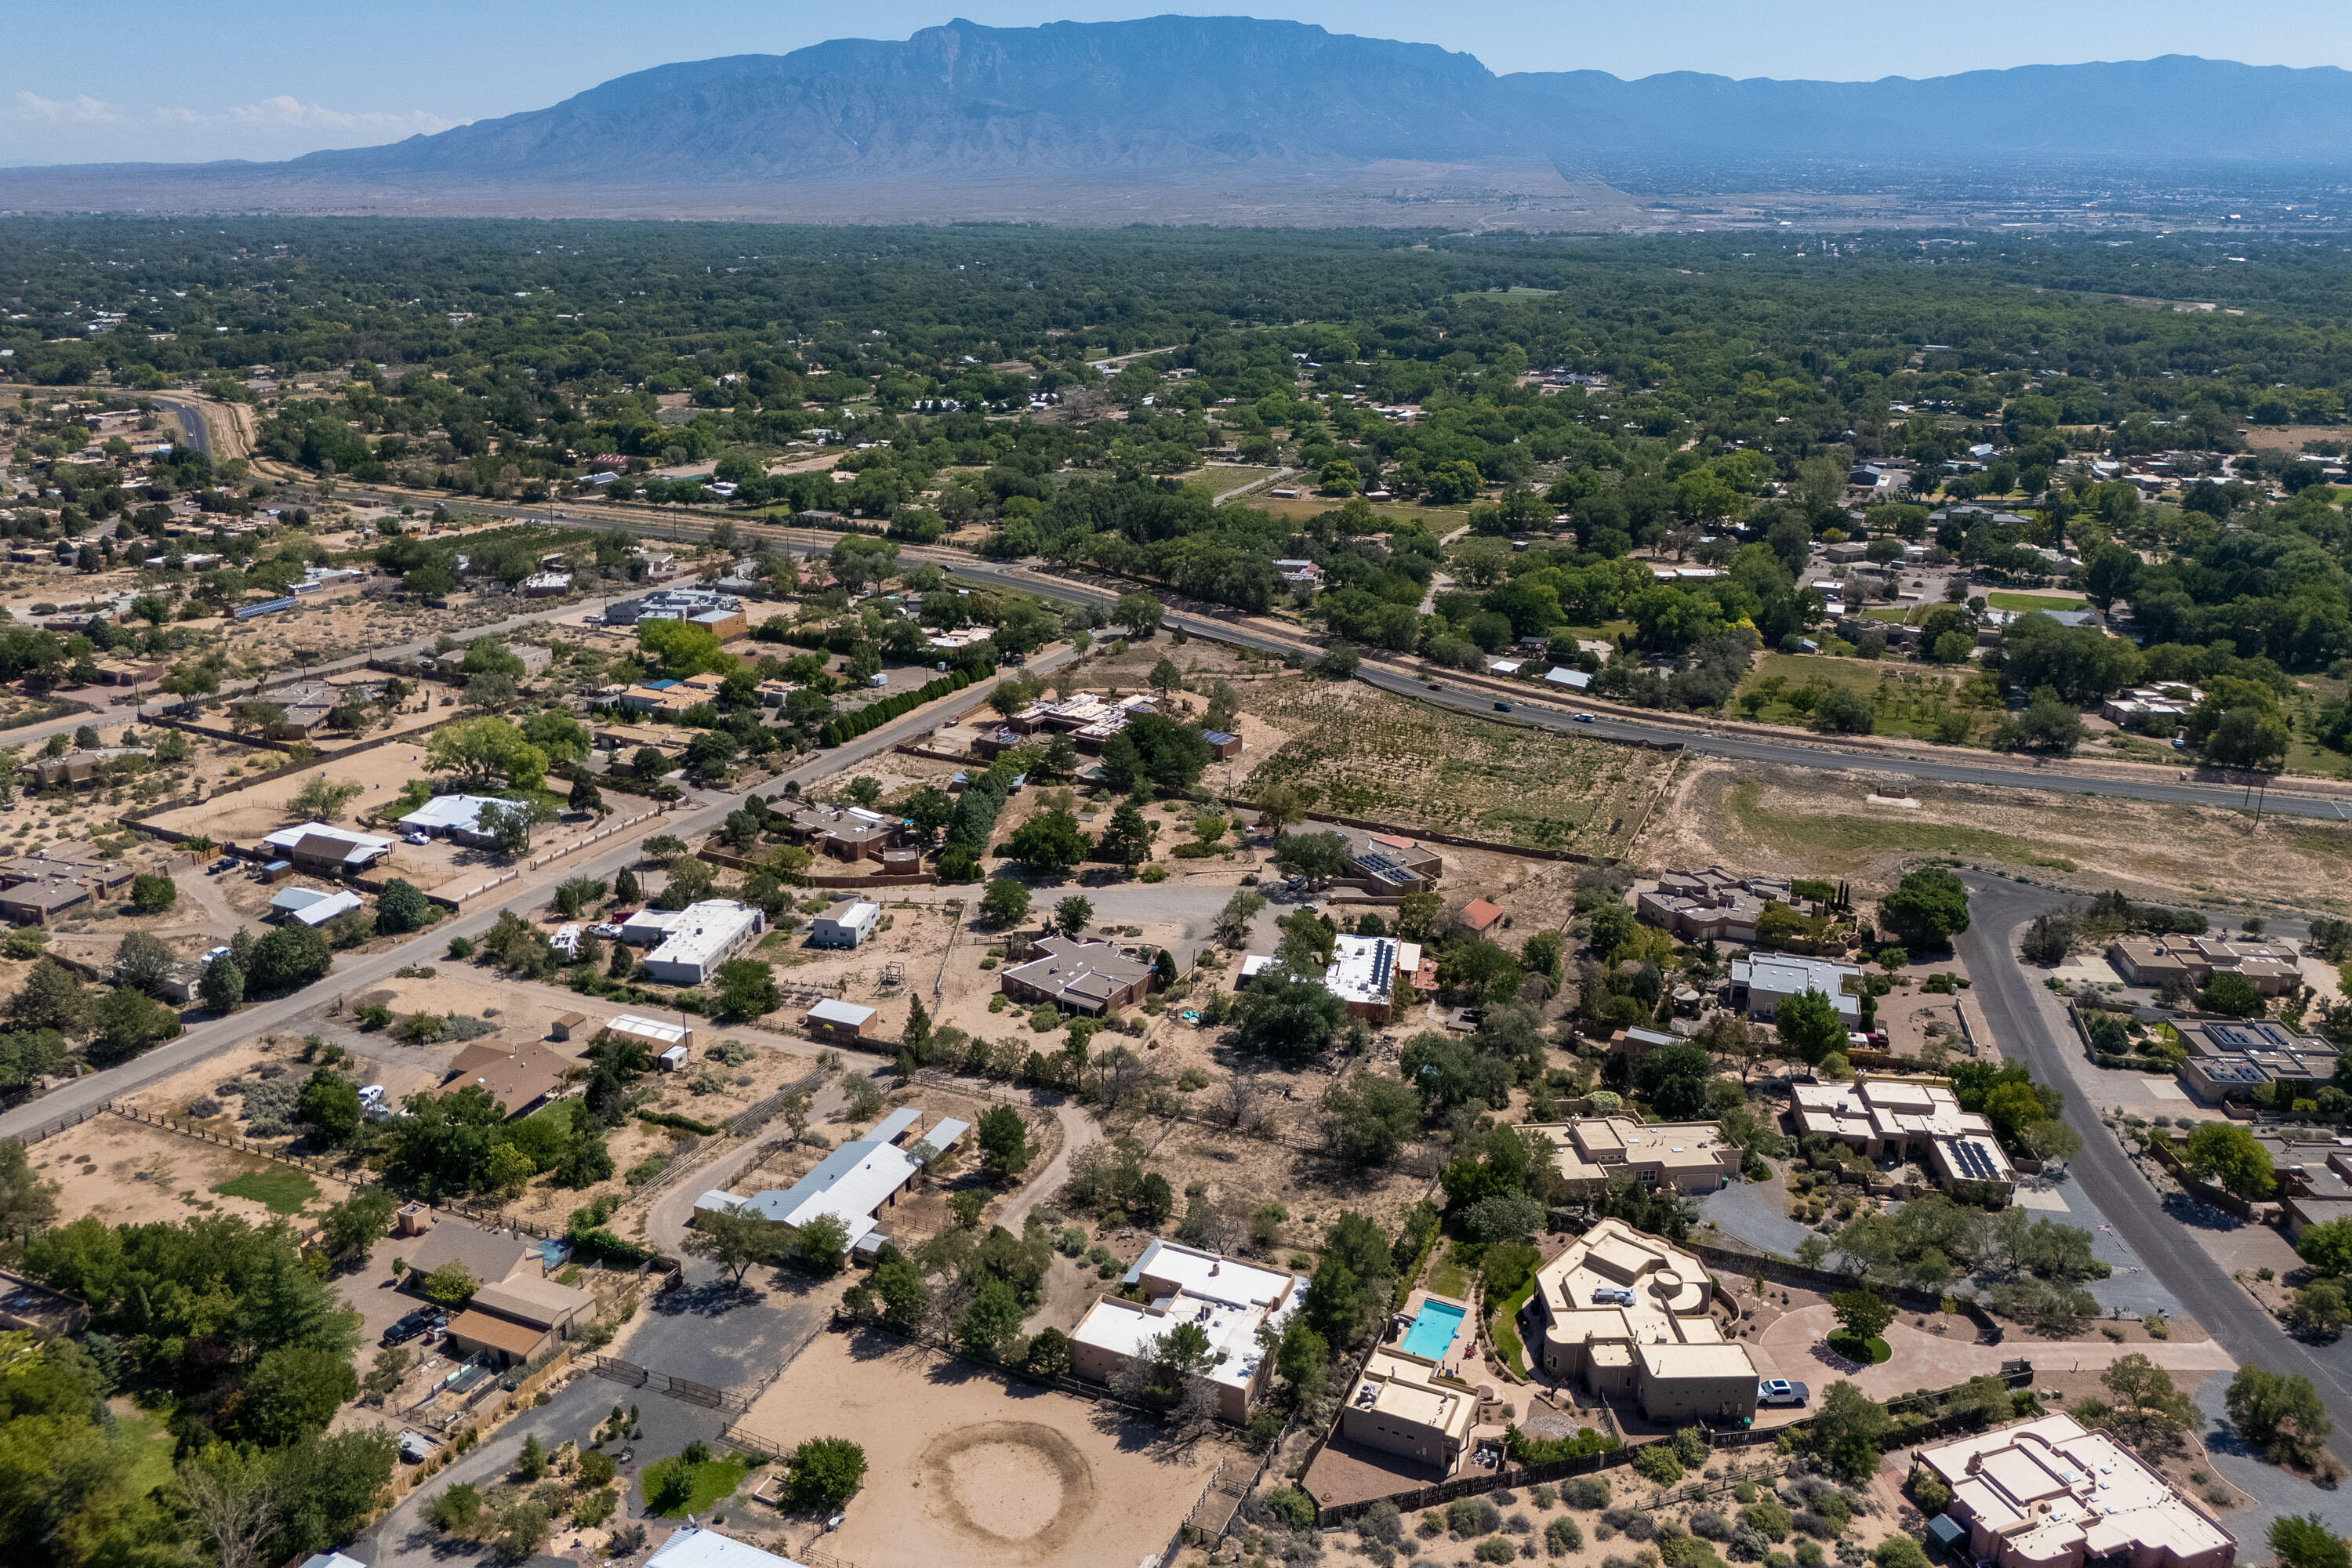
point(1657, 1462)
point(1899, 1552)
point(1707, 1522)
point(1928, 1491)
point(1291, 1507)
point(1585, 1491)
point(1562, 1536)
point(1495, 1549)
point(1768, 1519)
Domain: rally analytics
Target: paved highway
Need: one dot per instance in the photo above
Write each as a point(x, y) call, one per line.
point(2028, 1026)
point(1824, 754)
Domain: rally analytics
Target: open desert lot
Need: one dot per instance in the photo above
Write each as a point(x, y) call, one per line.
point(1793, 821)
point(968, 1467)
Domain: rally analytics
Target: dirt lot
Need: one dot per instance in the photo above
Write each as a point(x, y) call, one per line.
point(1792, 821)
point(129, 1172)
point(968, 1467)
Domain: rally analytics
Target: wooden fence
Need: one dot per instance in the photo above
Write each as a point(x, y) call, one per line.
point(492, 1218)
point(616, 1370)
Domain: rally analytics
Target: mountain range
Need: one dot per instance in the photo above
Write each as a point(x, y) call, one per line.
point(1239, 111)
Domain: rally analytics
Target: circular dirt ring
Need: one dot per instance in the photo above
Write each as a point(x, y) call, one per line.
point(1014, 1485)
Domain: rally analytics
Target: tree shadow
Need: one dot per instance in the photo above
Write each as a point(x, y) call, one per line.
point(2189, 1211)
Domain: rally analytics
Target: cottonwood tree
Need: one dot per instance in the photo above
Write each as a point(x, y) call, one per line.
point(734, 1238)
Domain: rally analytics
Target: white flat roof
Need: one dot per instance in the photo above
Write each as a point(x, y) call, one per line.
point(706, 931)
point(852, 912)
point(1200, 1273)
point(648, 1028)
point(1364, 968)
point(832, 1010)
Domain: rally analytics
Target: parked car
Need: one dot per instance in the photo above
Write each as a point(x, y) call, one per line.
point(226, 862)
point(607, 929)
point(1779, 1392)
point(422, 1321)
point(418, 836)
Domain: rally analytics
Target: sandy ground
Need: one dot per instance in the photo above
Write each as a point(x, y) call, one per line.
point(965, 1467)
point(1785, 820)
point(1926, 1359)
point(128, 1172)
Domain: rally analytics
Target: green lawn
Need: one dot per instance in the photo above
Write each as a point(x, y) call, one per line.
point(714, 1479)
point(1896, 614)
point(144, 1437)
point(2000, 600)
point(1504, 1329)
point(1449, 1276)
point(279, 1188)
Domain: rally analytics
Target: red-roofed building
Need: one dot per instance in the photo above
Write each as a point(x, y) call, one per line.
point(1478, 916)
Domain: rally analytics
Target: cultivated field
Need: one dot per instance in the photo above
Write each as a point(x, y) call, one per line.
point(1359, 752)
point(965, 1467)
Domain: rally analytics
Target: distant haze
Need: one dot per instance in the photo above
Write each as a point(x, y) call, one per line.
point(1234, 106)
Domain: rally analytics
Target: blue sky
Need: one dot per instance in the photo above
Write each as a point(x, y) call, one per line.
point(190, 80)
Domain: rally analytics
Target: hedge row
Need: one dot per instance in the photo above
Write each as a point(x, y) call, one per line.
point(672, 1119)
point(849, 726)
point(601, 1246)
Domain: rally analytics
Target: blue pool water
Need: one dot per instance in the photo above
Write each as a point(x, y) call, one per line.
point(1433, 1327)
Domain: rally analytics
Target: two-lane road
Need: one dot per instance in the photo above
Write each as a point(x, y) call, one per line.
point(2028, 1026)
point(214, 1035)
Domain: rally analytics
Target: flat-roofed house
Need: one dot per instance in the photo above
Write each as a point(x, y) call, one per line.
point(1228, 1300)
point(1627, 1313)
point(1679, 1156)
point(2271, 968)
point(847, 924)
point(1393, 863)
point(36, 903)
point(2049, 1494)
point(1365, 970)
point(1712, 905)
point(853, 1182)
point(1761, 982)
point(1895, 1119)
point(1402, 1406)
point(1091, 977)
point(710, 933)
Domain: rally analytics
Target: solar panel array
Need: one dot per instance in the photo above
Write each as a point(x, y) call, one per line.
point(1384, 965)
point(1380, 865)
point(1974, 1162)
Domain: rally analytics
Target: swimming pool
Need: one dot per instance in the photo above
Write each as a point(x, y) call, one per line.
point(1433, 1331)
